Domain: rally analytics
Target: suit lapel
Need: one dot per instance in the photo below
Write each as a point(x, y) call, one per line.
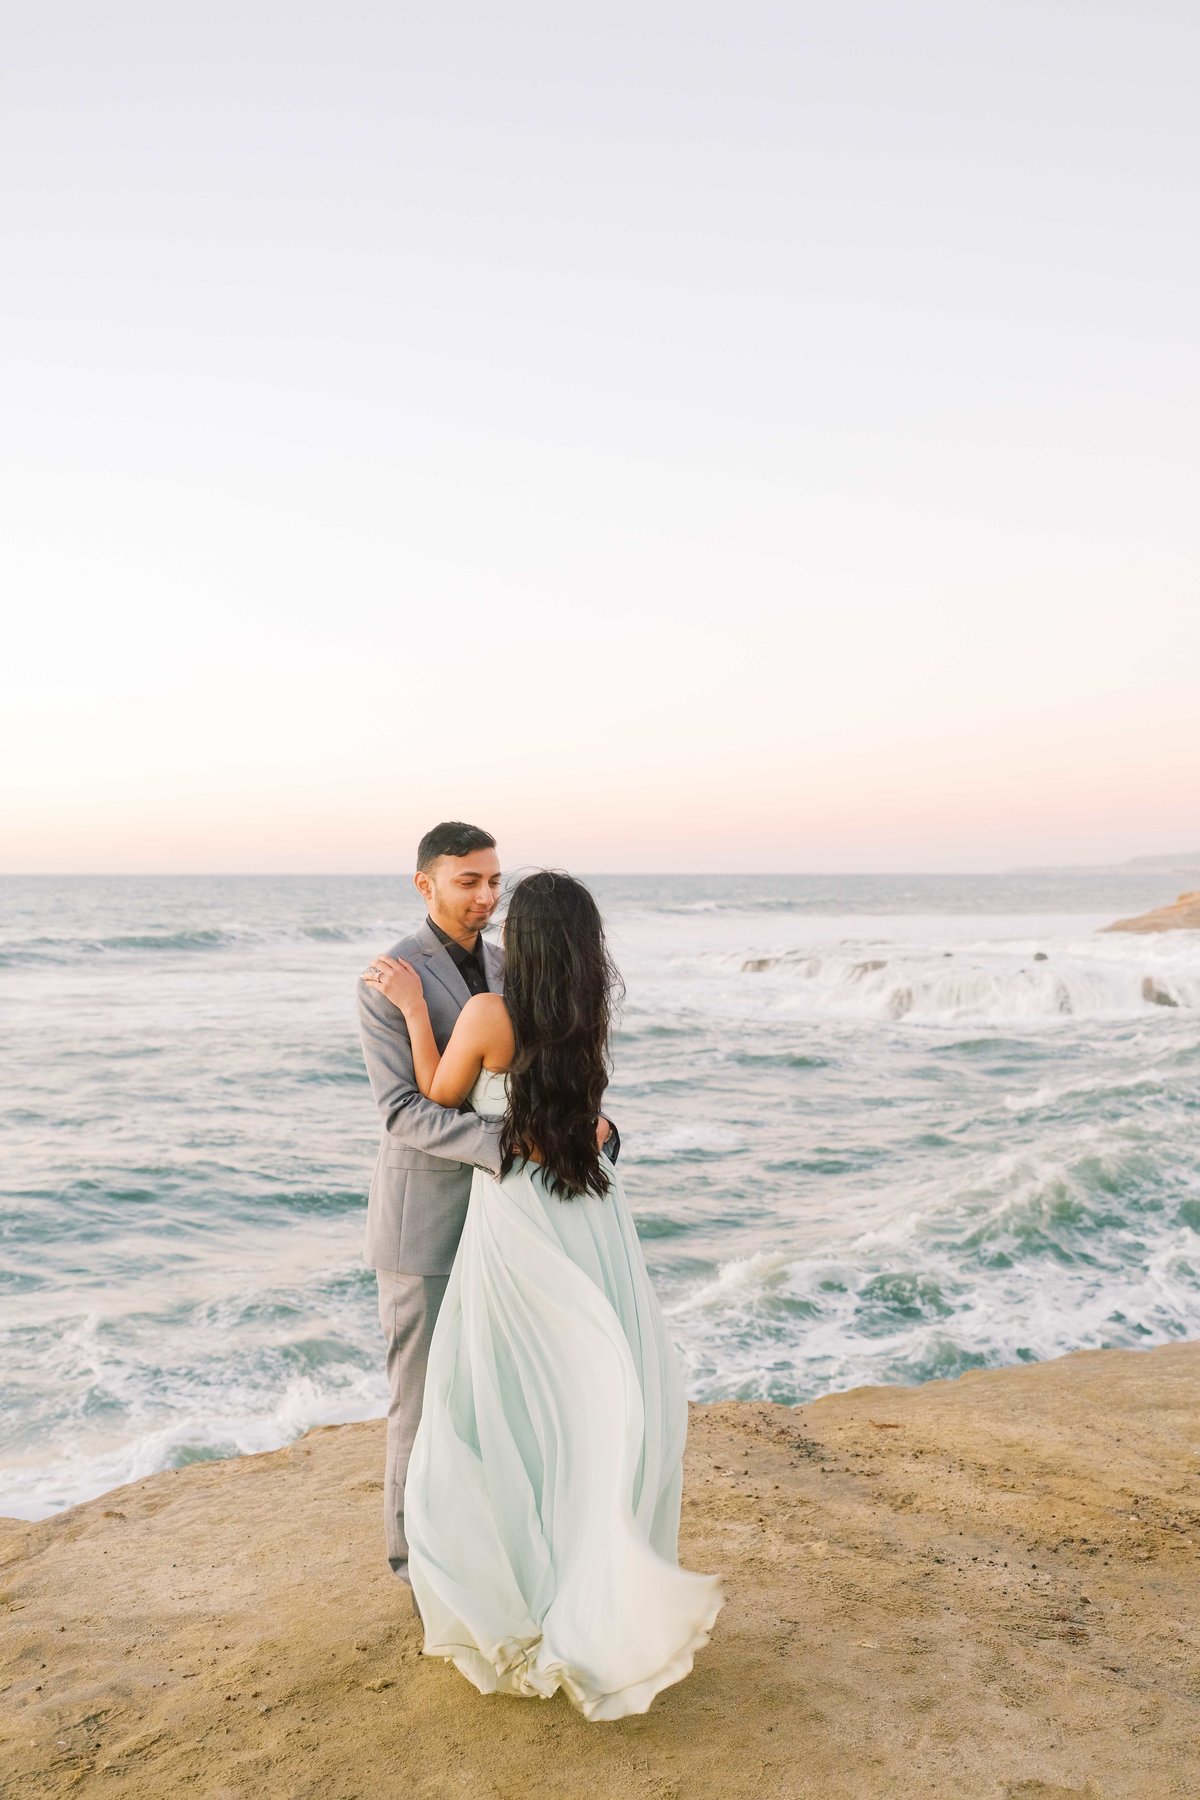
point(441, 965)
point(493, 962)
point(444, 968)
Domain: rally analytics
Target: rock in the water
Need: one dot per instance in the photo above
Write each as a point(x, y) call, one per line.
point(1040, 956)
point(1182, 915)
point(1156, 994)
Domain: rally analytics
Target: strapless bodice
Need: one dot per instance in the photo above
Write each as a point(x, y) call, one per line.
point(489, 1096)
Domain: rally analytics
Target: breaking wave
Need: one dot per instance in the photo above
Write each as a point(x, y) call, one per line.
point(958, 987)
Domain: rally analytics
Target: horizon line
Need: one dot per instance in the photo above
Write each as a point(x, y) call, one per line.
point(1183, 858)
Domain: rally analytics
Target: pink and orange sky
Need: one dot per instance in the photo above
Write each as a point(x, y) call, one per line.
point(675, 440)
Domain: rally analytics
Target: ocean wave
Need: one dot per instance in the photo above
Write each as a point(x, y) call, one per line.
point(779, 1327)
point(955, 988)
point(652, 1226)
point(1058, 1093)
point(742, 1278)
point(753, 907)
point(685, 1142)
point(343, 1067)
point(73, 949)
point(128, 1390)
point(320, 1200)
point(343, 1395)
point(834, 902)
point(1088, 1240)
point(639, 1025)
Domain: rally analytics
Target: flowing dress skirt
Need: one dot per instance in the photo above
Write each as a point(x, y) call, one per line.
point(543, 1494)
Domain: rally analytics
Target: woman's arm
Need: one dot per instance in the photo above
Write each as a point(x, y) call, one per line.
point(482, 1039)
point(482, 1035)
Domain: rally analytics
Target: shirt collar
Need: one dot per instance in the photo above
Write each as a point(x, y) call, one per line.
point(458, 952)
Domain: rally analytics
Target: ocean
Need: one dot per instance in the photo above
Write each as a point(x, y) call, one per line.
point(876, 1129)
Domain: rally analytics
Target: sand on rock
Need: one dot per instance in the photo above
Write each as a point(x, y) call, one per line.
point(1181, 915)
point(982, 1587)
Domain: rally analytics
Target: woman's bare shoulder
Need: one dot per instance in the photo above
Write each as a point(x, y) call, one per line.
point(485, 1021)
point(485, 1006)
point(485, 1015)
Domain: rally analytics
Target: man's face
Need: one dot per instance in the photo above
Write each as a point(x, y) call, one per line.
point(461, 892)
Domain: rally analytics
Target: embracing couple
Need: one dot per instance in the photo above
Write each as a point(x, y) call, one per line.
point(537, 1417)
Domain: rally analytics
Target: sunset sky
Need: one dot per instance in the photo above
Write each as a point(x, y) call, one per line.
point(676, 437)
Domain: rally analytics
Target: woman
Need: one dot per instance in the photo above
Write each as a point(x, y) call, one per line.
point(542, 1501)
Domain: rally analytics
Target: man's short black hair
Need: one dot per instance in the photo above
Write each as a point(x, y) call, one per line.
point(451, 838)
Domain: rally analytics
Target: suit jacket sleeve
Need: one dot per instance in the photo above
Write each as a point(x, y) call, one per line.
point(408, 1117)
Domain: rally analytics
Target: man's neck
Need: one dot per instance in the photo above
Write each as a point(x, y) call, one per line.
point(469, 941)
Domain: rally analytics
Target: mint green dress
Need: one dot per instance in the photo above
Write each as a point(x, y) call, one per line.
point(543, 1493)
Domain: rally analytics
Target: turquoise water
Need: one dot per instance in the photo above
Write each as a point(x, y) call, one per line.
point(877, 1128)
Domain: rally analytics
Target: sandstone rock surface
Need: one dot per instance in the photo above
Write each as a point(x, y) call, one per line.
point(980, 1588)
point(1181, 915)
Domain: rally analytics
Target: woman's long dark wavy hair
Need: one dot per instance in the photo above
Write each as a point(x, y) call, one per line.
point(560, 986)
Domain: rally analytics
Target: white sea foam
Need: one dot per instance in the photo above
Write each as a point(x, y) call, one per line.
point(742, 1278)
point(84, 1464)
point(739, 1341)
point(688, 1140)
point(951, 982)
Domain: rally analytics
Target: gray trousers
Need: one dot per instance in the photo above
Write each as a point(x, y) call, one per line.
point(408, 1308)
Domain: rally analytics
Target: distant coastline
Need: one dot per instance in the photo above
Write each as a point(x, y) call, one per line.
point(1175, 862)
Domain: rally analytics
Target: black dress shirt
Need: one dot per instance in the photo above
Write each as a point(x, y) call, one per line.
point(469, 962)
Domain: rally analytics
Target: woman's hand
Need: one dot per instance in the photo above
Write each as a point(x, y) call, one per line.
point(397, 981)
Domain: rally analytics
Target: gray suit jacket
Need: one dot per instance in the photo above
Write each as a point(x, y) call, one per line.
point(422, 1178)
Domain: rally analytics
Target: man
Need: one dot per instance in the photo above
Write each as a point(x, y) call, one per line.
point(422, 1178)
